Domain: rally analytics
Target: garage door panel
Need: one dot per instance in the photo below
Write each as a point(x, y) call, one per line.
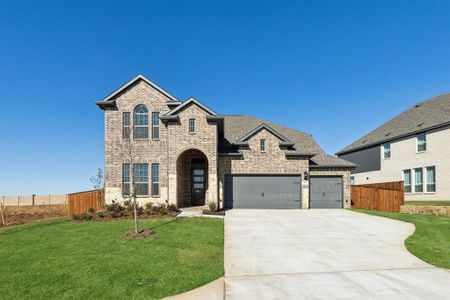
point(326, 192)
point(251, 191)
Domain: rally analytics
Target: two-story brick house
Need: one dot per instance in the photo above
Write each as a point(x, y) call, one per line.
point(413, 147)
point(187, 154)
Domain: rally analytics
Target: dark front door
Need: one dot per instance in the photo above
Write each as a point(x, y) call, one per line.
point(198, 183)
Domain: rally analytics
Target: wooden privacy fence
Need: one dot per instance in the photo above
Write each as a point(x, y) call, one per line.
point(81, 202)
point(386, 196)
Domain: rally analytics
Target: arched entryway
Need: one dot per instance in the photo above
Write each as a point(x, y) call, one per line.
point(192, 178)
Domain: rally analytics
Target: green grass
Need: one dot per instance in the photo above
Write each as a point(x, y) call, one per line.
point(431, 203)
point(431, 240)
point(62, 259)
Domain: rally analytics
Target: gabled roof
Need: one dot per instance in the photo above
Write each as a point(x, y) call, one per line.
point(431, 114)
point(261, 127)
point(237, 126)
point(188, 102)
point(110, 97)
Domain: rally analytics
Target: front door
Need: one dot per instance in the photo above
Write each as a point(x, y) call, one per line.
point(198, 184)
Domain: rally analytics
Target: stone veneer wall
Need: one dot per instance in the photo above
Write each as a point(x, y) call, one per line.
point(345, 173)
point(273, 161)
point(430, 210)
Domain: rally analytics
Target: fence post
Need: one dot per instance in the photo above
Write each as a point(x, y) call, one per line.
point(32, 199)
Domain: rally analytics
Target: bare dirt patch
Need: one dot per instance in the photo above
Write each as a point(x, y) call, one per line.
point(143, 234)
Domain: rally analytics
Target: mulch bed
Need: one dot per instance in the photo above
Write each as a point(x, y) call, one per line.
point(143, 234)
point(17, 219)
point(214, 213)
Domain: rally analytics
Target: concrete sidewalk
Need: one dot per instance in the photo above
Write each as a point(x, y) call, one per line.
point(324, 254)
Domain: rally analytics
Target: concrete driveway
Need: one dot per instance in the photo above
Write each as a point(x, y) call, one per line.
point(324, 254)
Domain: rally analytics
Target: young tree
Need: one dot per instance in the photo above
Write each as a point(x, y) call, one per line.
point(131, 153)
point(97, 182)
point(97, 179)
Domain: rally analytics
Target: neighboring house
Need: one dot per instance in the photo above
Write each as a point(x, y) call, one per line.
point(189, 155)
point(413, 147)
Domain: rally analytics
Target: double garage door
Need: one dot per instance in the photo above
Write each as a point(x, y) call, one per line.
point(284, 192)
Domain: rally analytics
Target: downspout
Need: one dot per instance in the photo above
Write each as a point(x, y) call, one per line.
point(168, 165)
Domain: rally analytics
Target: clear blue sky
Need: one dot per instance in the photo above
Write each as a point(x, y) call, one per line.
point(335, 69)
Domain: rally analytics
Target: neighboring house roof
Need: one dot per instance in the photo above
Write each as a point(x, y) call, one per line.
point(431, 114)
point(189, 102)
point(110, 98)
point(237, 126)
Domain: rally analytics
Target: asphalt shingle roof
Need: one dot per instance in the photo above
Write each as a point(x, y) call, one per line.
point(235, 127)
point(430, 114)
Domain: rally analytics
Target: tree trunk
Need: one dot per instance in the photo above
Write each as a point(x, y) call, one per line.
point(136, 224)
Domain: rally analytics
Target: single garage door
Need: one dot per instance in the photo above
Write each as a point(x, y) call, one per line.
point(250, 191)
point(325, 192)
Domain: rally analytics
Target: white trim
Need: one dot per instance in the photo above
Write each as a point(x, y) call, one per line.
point(140, 77)
point(189, 101)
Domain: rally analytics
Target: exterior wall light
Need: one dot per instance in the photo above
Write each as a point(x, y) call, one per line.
point(305, 176)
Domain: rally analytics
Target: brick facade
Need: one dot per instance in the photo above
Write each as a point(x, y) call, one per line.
point(176, 147)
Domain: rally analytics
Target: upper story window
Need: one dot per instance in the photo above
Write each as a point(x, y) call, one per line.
point(421, 142)
point(387, 151)
point(126, 123)
point(155, 126)
point(141, 122)
point(407, 180)
point(262, 145)
point(418, 180)
point(431, 179)
point(191, 125)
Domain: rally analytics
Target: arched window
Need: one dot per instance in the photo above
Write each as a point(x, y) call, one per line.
point(140, 122)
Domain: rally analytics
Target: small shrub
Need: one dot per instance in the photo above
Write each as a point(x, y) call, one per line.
point(212, 206)
point(115, 207)
point(82, 217)
point(91, 210)
point(171, 208)
point(148, 208)
point(101, 213)
point(115, 215)
point(162, 210)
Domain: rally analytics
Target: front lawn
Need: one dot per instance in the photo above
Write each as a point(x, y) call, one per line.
point(431, 203)
point(62, 259)
point(431, 240)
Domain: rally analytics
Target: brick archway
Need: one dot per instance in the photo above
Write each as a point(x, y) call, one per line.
point(192, 178)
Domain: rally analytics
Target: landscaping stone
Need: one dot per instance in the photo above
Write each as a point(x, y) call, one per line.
point(426, 210)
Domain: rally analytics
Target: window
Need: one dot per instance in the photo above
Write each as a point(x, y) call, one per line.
point(418, 182)
point(155, 179)
point(126, 179)
point(191, 125)
point(155, 126)
point(262, 145)
point(352, 180)
point(141, 179)
point(431, 179)
point(126, 125)
point(387, 151)
point(421, 142)
point(141, 122)
point(407, 180)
